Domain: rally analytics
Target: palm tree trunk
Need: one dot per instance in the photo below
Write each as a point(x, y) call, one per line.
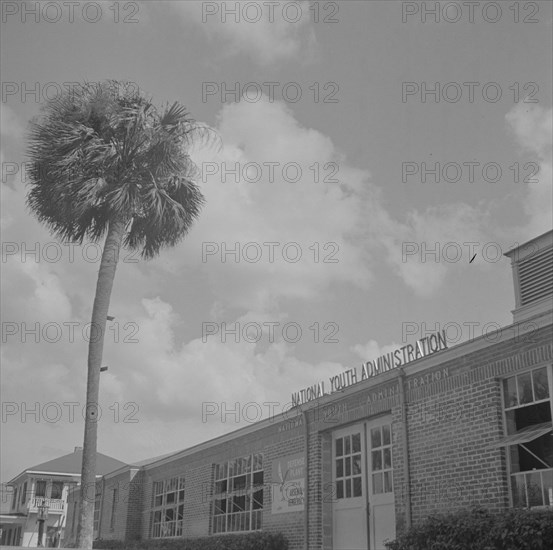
point(106, 275)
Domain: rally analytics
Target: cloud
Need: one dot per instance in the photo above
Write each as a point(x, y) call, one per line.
point(422, 249)
point(410, 244)
point(11, 134)
point(11, 126)
point(263, 31)
point(316, 226)
point(372, 350)
point(532, 126)
point(167, 379)
point(214, 368)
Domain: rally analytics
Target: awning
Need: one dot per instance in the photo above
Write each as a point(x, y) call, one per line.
point(525, 435)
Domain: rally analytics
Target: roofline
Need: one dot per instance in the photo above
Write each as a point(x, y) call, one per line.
point(121, 470)
point(503, 334)
point(65, 474)
point(525, 244)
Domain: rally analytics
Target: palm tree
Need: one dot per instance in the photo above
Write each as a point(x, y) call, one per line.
point(105, 161)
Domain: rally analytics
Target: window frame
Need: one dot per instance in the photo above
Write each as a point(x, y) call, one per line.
point(505, 409)
point(15, 498)
point(43, 483)
point(226, 474)
point(114, 499)
point(98, 494)
point(56, 483)
point(173, 485)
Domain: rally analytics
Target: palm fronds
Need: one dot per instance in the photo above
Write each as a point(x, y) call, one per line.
point(104, 152)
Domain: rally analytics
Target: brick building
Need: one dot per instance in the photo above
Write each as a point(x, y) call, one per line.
point(427, 428)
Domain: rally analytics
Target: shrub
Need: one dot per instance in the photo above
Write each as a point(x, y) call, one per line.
point(479, 529)
point(250, 541)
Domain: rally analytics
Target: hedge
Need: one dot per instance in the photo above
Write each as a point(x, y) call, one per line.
point(250, 541)
point(479, 529)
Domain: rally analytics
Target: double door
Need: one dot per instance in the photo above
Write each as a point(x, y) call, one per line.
point(362, 474)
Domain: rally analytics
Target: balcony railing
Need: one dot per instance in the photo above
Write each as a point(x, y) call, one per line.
point(55, 505)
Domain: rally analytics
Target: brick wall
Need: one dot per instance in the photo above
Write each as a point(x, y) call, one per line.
point(454, 416)
point(452, 426)
point(134, 507)
point(273, 442)
point(115, 504)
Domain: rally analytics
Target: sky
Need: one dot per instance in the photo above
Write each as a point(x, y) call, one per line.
point(376, 160)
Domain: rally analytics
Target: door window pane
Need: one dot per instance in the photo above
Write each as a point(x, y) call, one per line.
point(348, 466)
point(376, 440)
point(347, 446)
point(376, 460)
point(348, 488)
point(340, 489)
point(386, 434)
point(357, 492)
point(387, 458)
point(339, 447)
point(356, 442)
point(340, 467)
point(387, 482)
point(377, 484)
point(356, 463)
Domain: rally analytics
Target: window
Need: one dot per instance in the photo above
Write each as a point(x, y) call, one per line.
point(24, 493)
point(97, 507)
point(168, 508)
point(348, 473)
point(238, 495)
point(529, 441)
point(57, 490)
point(14, 498)
point(113, 509)
point(40, 489)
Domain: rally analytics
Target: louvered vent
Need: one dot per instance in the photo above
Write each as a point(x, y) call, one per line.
point(536, 277)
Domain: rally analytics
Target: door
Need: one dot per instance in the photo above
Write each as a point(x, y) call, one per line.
point(349, 507)
point(382, 517)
